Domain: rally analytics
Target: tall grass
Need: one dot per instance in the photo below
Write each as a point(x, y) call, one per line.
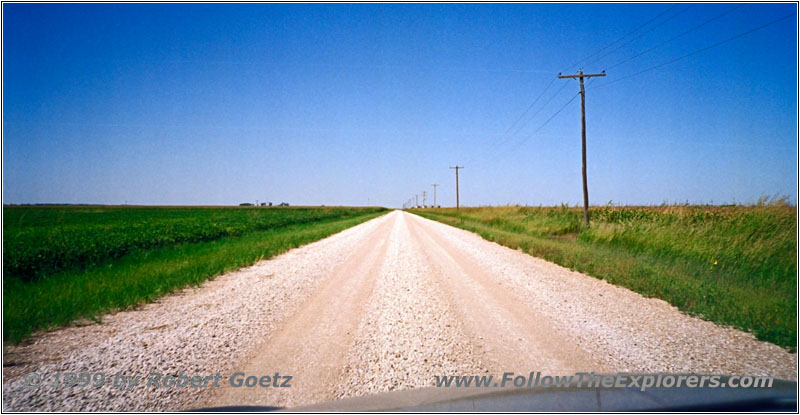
point(735, 265)
point(143, 275)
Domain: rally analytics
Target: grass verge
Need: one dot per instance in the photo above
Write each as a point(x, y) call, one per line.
point(733, 265)
point(145, 275)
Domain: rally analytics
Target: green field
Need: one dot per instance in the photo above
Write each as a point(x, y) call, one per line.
point(62, 263)
point(734, 265)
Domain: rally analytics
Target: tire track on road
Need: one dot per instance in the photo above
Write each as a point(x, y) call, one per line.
point(409, 332)
point(510, 335)
point(310, 345)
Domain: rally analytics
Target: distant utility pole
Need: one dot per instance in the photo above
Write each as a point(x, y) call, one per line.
point(580, 76)
point(424, 196)
point(434, 194)
point(457, 167)
point(416, 200)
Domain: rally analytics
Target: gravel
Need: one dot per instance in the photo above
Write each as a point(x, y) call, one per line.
point(407, 333)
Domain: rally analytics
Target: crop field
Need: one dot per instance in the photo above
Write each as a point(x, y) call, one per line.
point(61, 263)
point(734, 265)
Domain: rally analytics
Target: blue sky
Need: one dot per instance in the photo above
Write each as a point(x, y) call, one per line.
point(344, 104)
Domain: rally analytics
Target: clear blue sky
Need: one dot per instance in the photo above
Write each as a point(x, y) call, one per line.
point(345, 104)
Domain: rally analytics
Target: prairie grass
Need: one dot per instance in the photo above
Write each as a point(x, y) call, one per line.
point(734, 265)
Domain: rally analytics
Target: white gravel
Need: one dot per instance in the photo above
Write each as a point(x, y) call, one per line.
point(407, 333)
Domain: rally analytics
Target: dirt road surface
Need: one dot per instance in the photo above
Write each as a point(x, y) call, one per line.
point(386, 305)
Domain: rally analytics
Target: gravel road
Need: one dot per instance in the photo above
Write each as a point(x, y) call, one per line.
point(382, 306)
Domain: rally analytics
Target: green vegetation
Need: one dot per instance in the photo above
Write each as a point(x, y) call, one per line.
point(63, 263)
point(734, 265)
point(39, 241)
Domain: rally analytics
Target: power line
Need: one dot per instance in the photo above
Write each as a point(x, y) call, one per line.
point(552, 116)
point(623, 37)
point(641, 34)
point(530, 106)
point(526, 138)
point(507, 138)
point(541, 108)
point(539, 128)
point(697, 51)
point(675, 37)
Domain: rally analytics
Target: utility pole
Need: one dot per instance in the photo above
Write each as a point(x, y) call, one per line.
point(457, 167)
point(434, 194)
point(416, 200)
point(580, 76)
point(424, 195)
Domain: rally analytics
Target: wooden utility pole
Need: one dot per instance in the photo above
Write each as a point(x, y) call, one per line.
point(580, 76)
point(434, 194)
point(424, 196)
point(416, 200)
point(457, 167)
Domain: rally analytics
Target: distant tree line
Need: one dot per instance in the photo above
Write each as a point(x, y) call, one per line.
point(263, 204)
